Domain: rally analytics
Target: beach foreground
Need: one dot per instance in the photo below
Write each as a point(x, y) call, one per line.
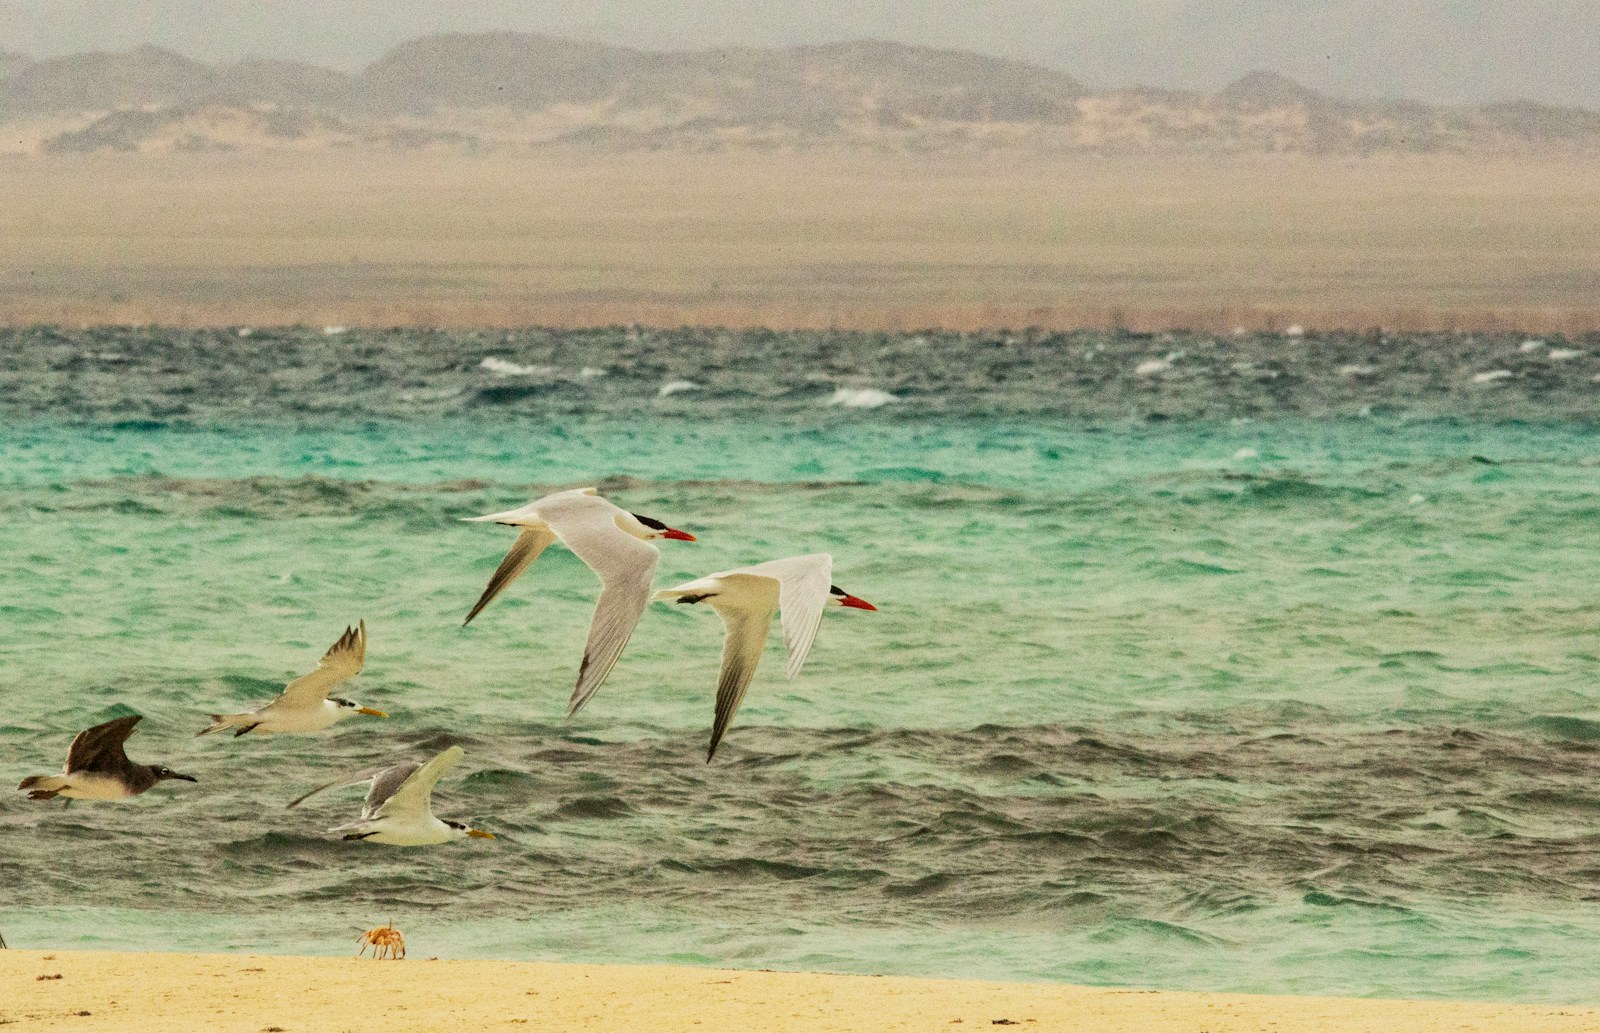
point(86, 991)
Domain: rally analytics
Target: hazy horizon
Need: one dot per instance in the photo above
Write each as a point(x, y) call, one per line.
point(1472, 51)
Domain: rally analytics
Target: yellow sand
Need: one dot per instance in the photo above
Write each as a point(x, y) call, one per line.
point(171, 993)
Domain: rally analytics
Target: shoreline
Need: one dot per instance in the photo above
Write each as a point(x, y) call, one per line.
point(87, 991)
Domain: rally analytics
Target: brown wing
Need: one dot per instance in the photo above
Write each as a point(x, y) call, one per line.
point(100, 748)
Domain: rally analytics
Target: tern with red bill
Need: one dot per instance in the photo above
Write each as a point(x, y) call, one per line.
point(613, 543)
point(746, 598)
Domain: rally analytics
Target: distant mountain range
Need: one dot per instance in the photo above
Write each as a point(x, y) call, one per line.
point(509, 91)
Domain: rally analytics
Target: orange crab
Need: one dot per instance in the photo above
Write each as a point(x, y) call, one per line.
point(385, 941)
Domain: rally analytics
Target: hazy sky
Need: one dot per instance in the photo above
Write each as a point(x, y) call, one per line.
point(1436, 50)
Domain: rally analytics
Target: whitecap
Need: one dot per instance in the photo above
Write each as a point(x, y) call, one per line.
point(1558, 354)
point(1357, 370)
point(590, 372)
point(1417, 500)
point(332, 331)
point(245, 331)
point(1247, 453)
point(1491, 376)
point(505, 368)
point(861, 397)
point(1150, 367)
point(1530, 346)
point(676, 387)
point(1295, 330)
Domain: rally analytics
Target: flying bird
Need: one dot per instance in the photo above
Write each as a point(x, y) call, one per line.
point(304, 706)
point(398, 811)
point(99, 769)
point(613, 543)
point(746, 598)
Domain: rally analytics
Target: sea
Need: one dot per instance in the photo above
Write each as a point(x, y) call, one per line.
point(1263, 662)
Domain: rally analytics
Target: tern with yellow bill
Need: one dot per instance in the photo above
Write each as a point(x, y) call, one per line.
point(399, 809)
point(304, 707)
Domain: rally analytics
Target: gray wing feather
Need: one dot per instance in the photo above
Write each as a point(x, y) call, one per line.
point(623, 599)
point(355, 778)
point(529, 544)
point(385, 785)
point(741, 653)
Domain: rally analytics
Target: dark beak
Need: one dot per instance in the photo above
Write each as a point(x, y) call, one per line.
point(186, 778)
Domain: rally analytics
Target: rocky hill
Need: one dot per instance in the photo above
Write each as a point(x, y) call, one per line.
point(514, 91)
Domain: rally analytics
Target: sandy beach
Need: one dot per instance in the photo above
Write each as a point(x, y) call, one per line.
point(86, 991)
point(800, 241)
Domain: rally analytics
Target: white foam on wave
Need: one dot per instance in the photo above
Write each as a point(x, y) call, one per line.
point(505, 368)
point(1560, 354)
point(1530, 346)
point(590, 372)
point(332, 331)
point(1295, 330)
point(1491, 376)
point(860, 397)
point(1356, 370)
point(1150, 367)
point(245, 331)
point(676, 387)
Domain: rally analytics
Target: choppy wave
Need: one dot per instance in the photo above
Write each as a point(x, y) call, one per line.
point(1277, 705)
point(202, 377)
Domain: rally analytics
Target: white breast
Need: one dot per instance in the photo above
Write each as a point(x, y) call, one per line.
point(294, 720)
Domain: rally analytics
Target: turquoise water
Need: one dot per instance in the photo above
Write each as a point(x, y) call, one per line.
point(1296, 703)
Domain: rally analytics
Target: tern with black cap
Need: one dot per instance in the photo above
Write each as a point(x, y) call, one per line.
point(746, 598)
point(398, 810)
point(304, 707)
point(613, 543)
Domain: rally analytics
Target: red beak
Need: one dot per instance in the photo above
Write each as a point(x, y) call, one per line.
point(673, 532)
point(860, 604)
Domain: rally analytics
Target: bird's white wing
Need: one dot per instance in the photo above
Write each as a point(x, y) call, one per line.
point(411, 798)
point(342, 661)
point(803, 583)
point(802, 594)
point(741, 652)
point(529, 544)
point(626, 566)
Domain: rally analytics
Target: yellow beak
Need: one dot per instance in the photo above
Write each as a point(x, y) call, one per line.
point(369, 710)
point(480, 834)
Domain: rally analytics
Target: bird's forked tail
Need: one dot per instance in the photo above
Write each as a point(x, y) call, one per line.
point(242, 722)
